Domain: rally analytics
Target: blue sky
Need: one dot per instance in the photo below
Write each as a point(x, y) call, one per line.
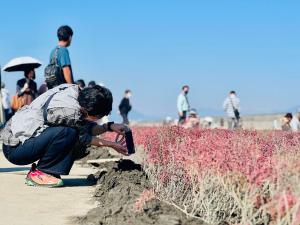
point(155, 47)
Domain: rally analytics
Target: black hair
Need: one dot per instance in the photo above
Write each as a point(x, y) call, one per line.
point(127, 91)
point(64, 33)
point(185, 86)
point(289, 116)
point(92, 84)
point(80, 83)
point(232, 92)
point(26, 72)
point(97, 100)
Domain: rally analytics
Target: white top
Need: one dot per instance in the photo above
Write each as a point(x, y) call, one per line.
point(5, 98)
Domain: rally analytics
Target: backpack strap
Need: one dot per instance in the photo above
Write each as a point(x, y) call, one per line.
point(45, 107)
point(232, 104)
point(54, 57)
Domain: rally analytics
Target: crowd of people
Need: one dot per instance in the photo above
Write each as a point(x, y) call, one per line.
point(188, 117)
point(55, 125)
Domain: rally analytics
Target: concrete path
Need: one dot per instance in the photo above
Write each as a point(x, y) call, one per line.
point(23, 205)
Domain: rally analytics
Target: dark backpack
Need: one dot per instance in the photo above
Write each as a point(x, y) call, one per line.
point(53, 72)
point(235, 111)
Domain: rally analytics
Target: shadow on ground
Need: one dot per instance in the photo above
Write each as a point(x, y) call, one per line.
point(77, 182)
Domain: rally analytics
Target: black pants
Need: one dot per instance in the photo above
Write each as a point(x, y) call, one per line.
point(182, 118)
point(53, 149)
point(125, 118)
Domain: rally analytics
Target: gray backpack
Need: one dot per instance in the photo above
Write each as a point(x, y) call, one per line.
point(53, 72)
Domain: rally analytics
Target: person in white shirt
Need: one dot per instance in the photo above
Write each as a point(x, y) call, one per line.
point(295, 122)
point(183, 105)
point(5, 102)
point(231, 106)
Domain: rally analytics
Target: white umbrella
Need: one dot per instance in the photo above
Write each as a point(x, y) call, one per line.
point(22, 64)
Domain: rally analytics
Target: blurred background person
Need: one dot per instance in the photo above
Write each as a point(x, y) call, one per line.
point(81, 84)
point(42, 89)
point(26, 91)
point(125, 106)
point(231, 106)
point(92, 83)
point(183, 105)
point(193, 119)
point(27, 85)
point(208, 122)
point(286, 122)
point(295, 123)
point(6, 102)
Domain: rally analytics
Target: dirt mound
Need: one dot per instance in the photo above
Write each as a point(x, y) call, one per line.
point(97, 153)
point(119, 185)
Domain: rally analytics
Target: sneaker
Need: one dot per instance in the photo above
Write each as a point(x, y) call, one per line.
point(36, 177)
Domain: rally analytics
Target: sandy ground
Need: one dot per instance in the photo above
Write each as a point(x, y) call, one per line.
point(22, 205)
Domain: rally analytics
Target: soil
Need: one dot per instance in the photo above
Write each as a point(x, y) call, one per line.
point(97, 153)
point(119, 185)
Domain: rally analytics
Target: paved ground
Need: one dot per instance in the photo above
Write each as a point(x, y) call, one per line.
point(23, 205)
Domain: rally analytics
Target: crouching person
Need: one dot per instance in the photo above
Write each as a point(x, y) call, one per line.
point(56, 129)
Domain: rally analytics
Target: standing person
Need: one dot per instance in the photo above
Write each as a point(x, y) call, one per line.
point(60, 57)
point(5, 102)
point(26, 90)
point(183, 105)
point(231, 106)
point(125, 106)
point(56, 130)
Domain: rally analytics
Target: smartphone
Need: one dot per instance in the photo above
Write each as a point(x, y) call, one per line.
point(129, 141)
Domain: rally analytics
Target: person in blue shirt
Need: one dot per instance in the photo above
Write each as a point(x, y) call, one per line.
point(64, 34)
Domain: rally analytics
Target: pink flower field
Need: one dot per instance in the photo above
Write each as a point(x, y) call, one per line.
point(221, 176)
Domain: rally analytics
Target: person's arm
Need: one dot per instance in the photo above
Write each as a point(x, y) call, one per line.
point(65, 63)
point(129, 106)
point(119, 147)
point(68, 74)
point(20, 89)
point(115, 127)
point(99, 129)
point(121, 104)
point(179, 105)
